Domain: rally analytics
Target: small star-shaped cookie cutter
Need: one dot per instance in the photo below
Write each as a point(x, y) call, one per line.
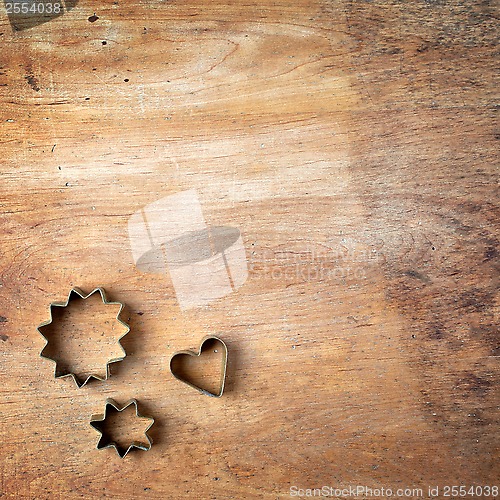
point(82, 295)
point(95, 423)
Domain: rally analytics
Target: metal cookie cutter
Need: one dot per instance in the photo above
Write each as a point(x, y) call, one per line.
point(178, 376)
point(58, 373)
point(96, 421)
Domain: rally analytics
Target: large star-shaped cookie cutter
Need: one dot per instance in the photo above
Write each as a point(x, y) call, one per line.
point(77, 292)
point(97, 420)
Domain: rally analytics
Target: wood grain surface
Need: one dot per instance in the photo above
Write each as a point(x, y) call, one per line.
point(354, 145)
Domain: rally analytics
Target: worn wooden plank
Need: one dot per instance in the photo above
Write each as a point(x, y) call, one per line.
point(354, 145)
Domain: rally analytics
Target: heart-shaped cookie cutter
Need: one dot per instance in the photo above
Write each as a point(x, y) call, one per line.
point(197, 354)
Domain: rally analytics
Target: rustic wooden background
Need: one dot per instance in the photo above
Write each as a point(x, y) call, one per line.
point(354, 144)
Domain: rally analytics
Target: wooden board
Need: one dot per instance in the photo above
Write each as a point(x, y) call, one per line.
point(354, 145)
